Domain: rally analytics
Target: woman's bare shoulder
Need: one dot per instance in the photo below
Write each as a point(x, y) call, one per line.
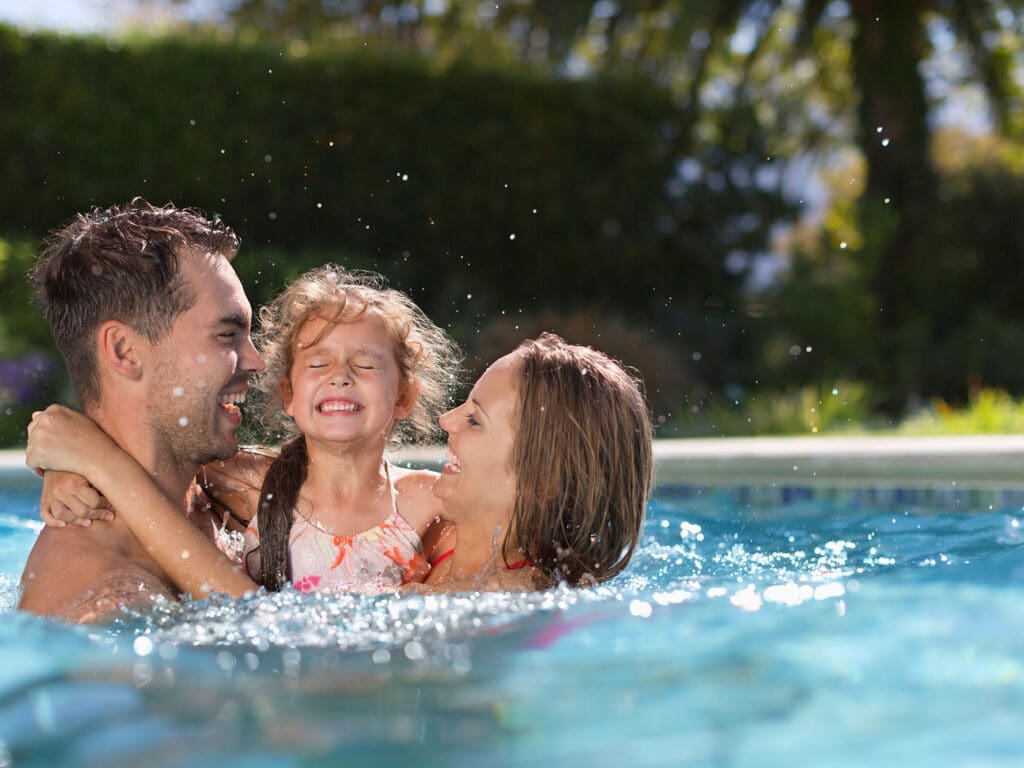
point(416, 499)
point(414, 482)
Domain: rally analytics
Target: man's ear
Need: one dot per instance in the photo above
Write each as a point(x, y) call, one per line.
point(407, 401)
point(119, 348)
point(285, 387)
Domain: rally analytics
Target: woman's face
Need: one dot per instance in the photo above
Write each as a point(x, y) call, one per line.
point(479, 479)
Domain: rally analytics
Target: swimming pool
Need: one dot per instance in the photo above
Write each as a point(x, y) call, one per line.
point(760, 624)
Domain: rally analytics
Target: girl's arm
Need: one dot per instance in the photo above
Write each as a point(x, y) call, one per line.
point(60, 438)
point(68, 498)
point(234, 485)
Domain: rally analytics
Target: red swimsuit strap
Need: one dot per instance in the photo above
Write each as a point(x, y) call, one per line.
point(510, 567)
point(441, 558)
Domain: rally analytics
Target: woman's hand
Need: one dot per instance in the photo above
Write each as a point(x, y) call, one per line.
point(63, 439)
point(69, 498)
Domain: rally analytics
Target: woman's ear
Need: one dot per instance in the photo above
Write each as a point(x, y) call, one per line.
point(119, 349)
point(284, 386)
point(407, 400)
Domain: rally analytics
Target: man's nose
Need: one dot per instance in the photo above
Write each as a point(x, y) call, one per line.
point(252, 360)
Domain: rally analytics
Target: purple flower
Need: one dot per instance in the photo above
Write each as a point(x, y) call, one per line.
point(27, 379)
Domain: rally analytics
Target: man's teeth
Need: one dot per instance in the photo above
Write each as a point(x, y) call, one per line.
point(333, 407)
point(238, 397)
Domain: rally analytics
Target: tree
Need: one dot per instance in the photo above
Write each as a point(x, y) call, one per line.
point(810, 74)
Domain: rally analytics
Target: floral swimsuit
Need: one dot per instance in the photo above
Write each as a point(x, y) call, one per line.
point(382, 558)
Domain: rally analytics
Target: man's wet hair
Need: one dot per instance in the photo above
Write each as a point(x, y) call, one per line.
point(120, 263)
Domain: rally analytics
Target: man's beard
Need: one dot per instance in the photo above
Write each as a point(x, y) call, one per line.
point(186, 427)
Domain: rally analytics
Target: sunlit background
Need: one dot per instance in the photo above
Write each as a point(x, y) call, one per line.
point(791, 216)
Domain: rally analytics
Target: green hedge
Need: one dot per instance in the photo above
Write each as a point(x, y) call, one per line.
point(502, 185)
point(485, 192)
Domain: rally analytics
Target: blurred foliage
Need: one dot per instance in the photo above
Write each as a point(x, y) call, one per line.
point(969, 330)
point(639, 348)
point(620, 171)
point(477, 189)
point(989, 411)
point(29, 368)
point(814, 76)
point(841, 407)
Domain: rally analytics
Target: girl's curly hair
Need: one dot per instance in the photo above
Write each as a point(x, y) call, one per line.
point(425, 353)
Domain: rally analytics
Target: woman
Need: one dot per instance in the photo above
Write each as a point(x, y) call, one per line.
point(549, 470)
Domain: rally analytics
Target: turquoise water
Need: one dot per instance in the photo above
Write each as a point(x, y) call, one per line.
point(757, 626)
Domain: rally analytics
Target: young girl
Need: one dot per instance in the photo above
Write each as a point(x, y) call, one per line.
point(350, 367)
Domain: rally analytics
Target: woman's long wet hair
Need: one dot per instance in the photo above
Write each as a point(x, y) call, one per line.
point(426, 356)
point(583, 456)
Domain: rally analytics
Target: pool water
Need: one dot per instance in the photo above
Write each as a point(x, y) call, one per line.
point(756, 626)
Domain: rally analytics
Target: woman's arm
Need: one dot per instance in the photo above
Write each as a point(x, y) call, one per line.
point(60, 438)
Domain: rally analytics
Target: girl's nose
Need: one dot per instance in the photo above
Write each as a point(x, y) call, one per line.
point(340, 376)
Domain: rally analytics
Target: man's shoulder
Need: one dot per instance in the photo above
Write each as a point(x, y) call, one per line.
point(80, 575)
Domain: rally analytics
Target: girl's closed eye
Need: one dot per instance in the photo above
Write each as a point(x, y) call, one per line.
point(471, 418)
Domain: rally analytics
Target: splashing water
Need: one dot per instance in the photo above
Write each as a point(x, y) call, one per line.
point(753, 627)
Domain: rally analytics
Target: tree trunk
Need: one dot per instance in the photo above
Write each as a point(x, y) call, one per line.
point(888, 48)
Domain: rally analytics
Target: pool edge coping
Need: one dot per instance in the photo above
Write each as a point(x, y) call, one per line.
point(947, 459)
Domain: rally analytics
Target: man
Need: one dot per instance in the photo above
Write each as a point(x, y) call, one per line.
point(154, 328)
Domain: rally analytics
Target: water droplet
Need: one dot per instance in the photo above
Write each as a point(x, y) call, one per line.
point(885, 142)
point(512, 237)
point(143, 646)
point(226, 661)
point(183, 421)
point(178, 391)
point(414, 651)
point(842, 245)
point(641, 609)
